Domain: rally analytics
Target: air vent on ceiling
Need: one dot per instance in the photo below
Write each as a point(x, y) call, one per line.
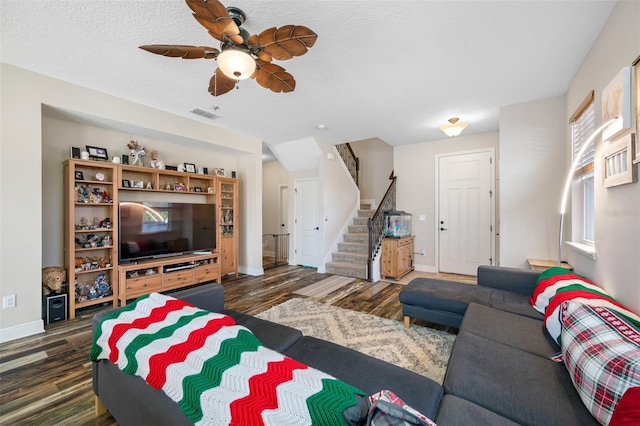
point(204, 113)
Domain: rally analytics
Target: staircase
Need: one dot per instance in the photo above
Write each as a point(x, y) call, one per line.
point(351, 258)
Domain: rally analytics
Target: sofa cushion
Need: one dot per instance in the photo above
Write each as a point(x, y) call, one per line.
point(456, 411)
point(558, 285)
point(510, 329)
point(602, 353)
point(627, 412)
point(515, 384)
point(368, 374)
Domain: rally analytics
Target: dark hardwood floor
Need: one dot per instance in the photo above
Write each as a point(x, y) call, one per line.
point(46, 379)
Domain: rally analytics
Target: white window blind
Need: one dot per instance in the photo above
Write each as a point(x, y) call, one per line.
point(581, 128)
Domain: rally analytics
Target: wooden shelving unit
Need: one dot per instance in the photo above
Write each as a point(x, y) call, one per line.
point(91, 237)
point(88, 268)
point(227, 206)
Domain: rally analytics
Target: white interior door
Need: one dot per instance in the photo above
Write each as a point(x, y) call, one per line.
point(283, 209)
point(465, 216)
point(307, 223)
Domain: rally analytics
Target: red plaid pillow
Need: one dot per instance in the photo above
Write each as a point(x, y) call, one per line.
point(601, 350)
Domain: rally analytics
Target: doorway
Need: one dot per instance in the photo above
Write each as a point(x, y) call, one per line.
point(306, 222)
point(466, 213)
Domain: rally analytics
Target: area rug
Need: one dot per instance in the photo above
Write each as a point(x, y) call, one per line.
point(324, 287)
point(419, 349)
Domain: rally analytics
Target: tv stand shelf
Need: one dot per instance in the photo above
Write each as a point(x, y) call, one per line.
point(157, 275)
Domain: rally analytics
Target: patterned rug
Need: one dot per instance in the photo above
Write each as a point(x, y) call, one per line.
point(419, 349)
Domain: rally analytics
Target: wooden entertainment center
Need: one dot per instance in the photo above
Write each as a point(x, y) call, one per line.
point(92, 193)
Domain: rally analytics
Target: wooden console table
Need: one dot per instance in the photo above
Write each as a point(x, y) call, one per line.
point(157, 275)
point(543, 265)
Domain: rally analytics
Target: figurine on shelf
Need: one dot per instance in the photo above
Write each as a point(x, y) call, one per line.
point(106, 241)
point(153, 155)
point(149, 185)
point(137, 152)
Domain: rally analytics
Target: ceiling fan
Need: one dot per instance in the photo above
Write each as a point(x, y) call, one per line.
point(242, 55)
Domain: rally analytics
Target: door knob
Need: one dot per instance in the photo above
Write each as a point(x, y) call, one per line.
point(443, 229)
point(317, 228)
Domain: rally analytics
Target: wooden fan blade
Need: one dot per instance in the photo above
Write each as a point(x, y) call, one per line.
point(181, 51)
point(212, 15)
point(274, 78)
point(286, 42)
point(220, 84)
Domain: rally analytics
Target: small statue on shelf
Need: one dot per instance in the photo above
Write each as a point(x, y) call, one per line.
point(153, 162)
point(137, 152)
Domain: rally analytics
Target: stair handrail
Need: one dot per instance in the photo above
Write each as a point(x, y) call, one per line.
point(375, 224)
point(350, 160)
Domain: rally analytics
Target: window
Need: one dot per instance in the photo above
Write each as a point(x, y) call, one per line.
point(582, 127)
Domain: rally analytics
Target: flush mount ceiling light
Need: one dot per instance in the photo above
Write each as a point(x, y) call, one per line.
point(454, 128)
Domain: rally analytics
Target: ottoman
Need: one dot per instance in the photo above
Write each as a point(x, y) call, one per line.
point(445, 302)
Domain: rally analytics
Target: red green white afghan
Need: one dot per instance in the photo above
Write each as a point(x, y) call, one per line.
point(217, 371)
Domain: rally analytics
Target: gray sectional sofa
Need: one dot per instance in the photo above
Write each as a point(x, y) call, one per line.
point(499, 372)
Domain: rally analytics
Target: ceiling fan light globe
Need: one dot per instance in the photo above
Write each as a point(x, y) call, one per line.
point(236, 64)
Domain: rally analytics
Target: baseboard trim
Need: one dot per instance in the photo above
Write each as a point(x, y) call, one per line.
point(426, 268)
point(254, 272)
point(21, 330)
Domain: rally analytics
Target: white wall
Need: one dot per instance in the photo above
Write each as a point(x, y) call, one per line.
point(415, 168)
point(376, 164)
point(21, 159)
point(531, 176)
point(617, 209)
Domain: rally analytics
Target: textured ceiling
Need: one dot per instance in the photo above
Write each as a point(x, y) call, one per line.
point(395, 70)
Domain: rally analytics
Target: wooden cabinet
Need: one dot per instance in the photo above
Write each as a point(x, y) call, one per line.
point(92, 190)
point(138, 279)
point(227, 202)
point(397, 256)
point(91, 237)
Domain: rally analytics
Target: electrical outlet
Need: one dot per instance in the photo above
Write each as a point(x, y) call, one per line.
point(9, 301)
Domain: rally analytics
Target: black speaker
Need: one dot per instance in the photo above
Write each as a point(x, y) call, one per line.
point(56, 308)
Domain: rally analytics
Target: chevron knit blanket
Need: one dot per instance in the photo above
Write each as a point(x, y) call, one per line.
point(215, 370)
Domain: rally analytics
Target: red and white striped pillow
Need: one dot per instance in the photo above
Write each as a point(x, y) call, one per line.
point(558, 285)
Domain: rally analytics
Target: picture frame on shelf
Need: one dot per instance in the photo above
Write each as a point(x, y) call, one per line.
point(97, 153)
point(197, 189)
point(125, 158)
point(210, 190)
point(126, 183)
point(137, 184)
point(205, 170)
point(189, 167)
point(220, 172)
point(79, 175)
point(172, 168)
point(617, 162)
point(75, 152)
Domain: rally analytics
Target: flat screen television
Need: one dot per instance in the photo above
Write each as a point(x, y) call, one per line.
point(150, 230)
